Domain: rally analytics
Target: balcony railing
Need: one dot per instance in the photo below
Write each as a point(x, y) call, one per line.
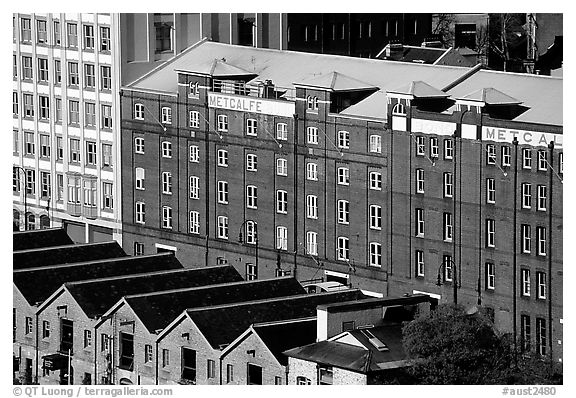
point(259, 90)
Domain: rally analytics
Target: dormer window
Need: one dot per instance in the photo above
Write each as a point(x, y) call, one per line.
point(194, 91)
point(312, 103)
point(399, 110)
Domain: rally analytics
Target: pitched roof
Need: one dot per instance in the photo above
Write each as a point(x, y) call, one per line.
point(362, 356)
point(282, 336)
point(336, 82)
point(97, 296)
point(221, 68)
point(491, 96)
point(36, 238)
point(220, 325)
point(157, 310)
point(45, 256)
point(427, 55)
point(52, 277)
point(419, 89)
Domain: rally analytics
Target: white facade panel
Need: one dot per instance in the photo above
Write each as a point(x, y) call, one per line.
point(74, 168)
point(27, 87)
point(105, 59)
point(74, 131)
point(251, 104)
point(86, 17)
point(72, 55)
point(107, 136)
point(88, 57)
point(469, 131)
point(90, 133)
point(398, 123)
point(534, 138)
point(41, 50)
point(29, 162)
point(104, 19)
point(105, 97)
point(72, 94)
point(433, 127)
point(106, 175)
point(28, 125)
point(90, 95)
point(26, 48)
point(43, 89)
point(44, 127)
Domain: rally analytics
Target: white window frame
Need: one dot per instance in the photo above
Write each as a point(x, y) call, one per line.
point(419, 260)
point(222, 123)
point(490, 154)
point(433, 147)
point(194, 153)
point(282, 131)
point(166, 115)
point(194, 119)
point(420, 146)
point(139, 145)
point(490, 275)
point(541, 241)
point(251, 197)
point(194, 186)
point(343, 212)
point(375, 144)
point(561, 163)
point(140, 178)
point(250, 232)
point(312, 206)
point(281, 238)
point(312, 171)
point(525, 234)
point(399, 109)
point(252, 127)
point(490, 190)
point(140, 212)
point(312, 243)
point(343, 176)
point(542, 161)
point(448, 149)
point(343, 248)
point(448, 185)
point(526, 195)
point(343, 139)
point(525, 279)
point(251, 162)
point(506, 158)
point(223, 227)
point(166, 149)
point(448, 271)
point(541, 285)
point(420, 225)
point(375, 254)
point(282, 167)
point(490, 232)
point(222, 157)
point(448, 227)
point(166, 217)
point(375, 180)
point(312, 135)
point(223, 192)
point(167, 183)
point(281, 202)
point(194, 220)
point(375, 217)
point(526, 158)
point(419, 180)
point(542, 197)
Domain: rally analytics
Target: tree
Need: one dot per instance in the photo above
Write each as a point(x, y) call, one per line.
point(449, 346)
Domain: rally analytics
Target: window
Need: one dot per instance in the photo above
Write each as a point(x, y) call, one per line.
point(448, 227)
point(419, 222)
point(343, 212)
point(491, 154)
point(342, 248)
point(312, 135)
point(87, 338)
point(107, 155)
point(420, 146)
point(90, 153)
point(25, 30)
point(311, 171)
point(167, 183)
point(166, 115)
point(57, 72)
point(72, 32)
point(140, 213)
point(561, 163)
point(188, 371)
point(343, 176)
point(229, 373)
point(542, 160)
point(104, 39)
point(107, 195)
point(194, 153)
point(28, 329)
point(525, 275)
point(526, 158)
point(28, 105)
point(399, 110)
point(104, 342)
point(222, 123)
point(42, 69)
point(166, 149)
point(282, 238)
point(27, 68)
point(525, 234)
point(106, 116)
point(148, 353)
point(281, 131)
point(419, 261)
point(194, 187)
point(375, 217)
point(375, 254)
point(194, 222)
point(44, 184)
point(343, 139)
point(166, 217)
point(252, 127)
point(44, 146)
point(74, 189)
point(222, 158)
point(251, 272)
point(251, 162)
point(29, 143)
point(163, 36)
point(447, 262)
point(448, 149)
point(251, 232)
point(541, 285)
point(251, 197)
point(139, 145)
point(44, 105)
point(526, 195)
point(89, 193)
point(281, 167)
point(165, 357)
point(139, 111)
point(281, 202)
point(15, 103)
point(60, 186)
point(433, 147)
point(489, 276)
point(542, 196)
point(138, 248)
point(126, 351)
point(541, 336)
point(193, 90)
point(15, 142)
point(505, 156)
point(73, 77)
point(58, 103)
point(490, 190)
point(490, 232)
point(448, 185)
point(375, 144)
point(541, 239)
point(301, 381)
point(223, 227)
point(105, 78)
point(45, 329)
point(14, 66)
point(88, 37)
point(312, 206)
point(59, 149)
point(419, 180)
point(376, 180)
point(525, 332)
point(57, 33)
point(89, 114)
point(194, 119)
point(73, 112)
point(312, 243)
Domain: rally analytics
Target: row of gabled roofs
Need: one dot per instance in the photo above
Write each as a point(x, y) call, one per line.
point(541, 95)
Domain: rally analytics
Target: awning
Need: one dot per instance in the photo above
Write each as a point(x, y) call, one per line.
point(55, 361)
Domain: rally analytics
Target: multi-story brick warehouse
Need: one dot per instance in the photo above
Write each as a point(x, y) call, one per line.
point(65, 102)
point(377, 174)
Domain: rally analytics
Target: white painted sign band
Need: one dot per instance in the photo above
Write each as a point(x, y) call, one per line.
point(251, 104)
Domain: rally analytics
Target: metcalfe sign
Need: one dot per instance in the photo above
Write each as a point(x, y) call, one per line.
point(524, 137)
point(251, 104)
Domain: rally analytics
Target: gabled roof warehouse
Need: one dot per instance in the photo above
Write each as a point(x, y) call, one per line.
point(37, 284)
point(33, 239)
point(98, 296)
point(222, 324)
point(157, 310)
point(46, 256)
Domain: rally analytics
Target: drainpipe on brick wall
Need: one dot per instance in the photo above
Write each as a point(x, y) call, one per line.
point(295, 192)
point(551, 181)
point(515, 237)
point(156, 367)
point(207, 172)
point(220, 360)
point(37, 343)
point(95, 355)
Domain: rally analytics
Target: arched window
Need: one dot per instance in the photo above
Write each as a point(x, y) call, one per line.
point(44, 221)
point(30, 221)
point(309, 103)
point(399, 110)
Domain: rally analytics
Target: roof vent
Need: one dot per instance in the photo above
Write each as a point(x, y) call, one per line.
point(375, 341)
